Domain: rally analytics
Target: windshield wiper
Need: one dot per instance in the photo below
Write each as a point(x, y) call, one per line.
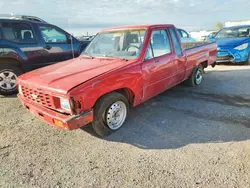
point(88, 55)
point(107, 55)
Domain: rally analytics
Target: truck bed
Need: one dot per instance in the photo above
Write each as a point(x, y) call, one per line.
point(189, 45)
point(197, 52)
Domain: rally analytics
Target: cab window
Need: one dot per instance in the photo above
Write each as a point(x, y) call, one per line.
point(53, 35)
point(18, 32)
point(159, 44)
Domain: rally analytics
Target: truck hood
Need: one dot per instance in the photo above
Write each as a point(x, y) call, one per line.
point(63, 76)
point(231, 42)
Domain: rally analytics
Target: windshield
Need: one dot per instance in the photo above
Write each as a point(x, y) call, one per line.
point(118, 44)
point(234, 32)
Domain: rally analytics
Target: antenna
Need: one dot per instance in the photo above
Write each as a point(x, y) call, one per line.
point(71, 42)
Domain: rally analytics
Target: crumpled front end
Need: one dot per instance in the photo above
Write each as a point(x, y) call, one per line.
point(231, 55)
point(46, 107)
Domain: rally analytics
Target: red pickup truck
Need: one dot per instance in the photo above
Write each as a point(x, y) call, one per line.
point(122, 67)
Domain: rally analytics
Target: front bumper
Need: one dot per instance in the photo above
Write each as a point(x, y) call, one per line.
point(231, 55)
point(56, 119)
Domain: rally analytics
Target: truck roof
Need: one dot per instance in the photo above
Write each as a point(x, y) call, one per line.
point(137, 27)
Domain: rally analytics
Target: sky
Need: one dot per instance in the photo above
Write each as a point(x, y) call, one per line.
point(89, 16)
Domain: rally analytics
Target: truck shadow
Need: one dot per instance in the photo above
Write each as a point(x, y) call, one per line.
point(183, 116)
point(9, 96)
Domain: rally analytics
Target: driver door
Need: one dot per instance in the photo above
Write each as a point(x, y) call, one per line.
point(158, 67)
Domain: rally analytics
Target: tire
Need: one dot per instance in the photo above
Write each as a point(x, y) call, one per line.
point(8, 75)
point(196, 77)
point(110, 105)
point(247, 62)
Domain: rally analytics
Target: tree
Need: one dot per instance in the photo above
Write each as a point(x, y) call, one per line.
point(219, 25)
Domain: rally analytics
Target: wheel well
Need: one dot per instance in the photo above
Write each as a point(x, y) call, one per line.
point(128, 93)
point(204, 64)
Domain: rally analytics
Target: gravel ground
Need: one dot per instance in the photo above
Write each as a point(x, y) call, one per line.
point(185, 137)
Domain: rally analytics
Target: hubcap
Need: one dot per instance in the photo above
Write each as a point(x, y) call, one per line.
point(116, 115)
point(7, 80)
point(198, 76)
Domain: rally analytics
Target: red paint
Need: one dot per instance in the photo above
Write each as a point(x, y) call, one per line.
point(86, 79)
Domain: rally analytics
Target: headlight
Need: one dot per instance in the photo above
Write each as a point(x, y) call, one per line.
point(64, 103)
point(20, 90)
point(241, 47)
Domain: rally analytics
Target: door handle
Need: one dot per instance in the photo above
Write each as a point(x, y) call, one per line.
point(47, 47)
point(157, 61)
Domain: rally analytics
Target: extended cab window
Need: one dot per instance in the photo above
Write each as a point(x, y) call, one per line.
point(53, 35)
point(18, 32)
point(159, 44)
point(176, 42)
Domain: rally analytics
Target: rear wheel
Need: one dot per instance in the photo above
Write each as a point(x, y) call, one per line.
point(110, 113)
point(8, 76)
point(196, 77)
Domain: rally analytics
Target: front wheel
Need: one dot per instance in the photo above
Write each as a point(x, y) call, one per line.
point(8, 76)
point(110, 113)
point(196, 77)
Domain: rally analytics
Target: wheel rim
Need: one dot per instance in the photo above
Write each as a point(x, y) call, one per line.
point(116, 115)
point(198, 76)
point(8, 80)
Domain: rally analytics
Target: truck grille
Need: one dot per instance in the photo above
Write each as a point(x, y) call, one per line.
point(37, 96)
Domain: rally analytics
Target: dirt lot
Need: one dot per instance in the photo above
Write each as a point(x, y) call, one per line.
point(186, 137)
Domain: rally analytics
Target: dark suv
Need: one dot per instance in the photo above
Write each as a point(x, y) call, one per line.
point(28, 43)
